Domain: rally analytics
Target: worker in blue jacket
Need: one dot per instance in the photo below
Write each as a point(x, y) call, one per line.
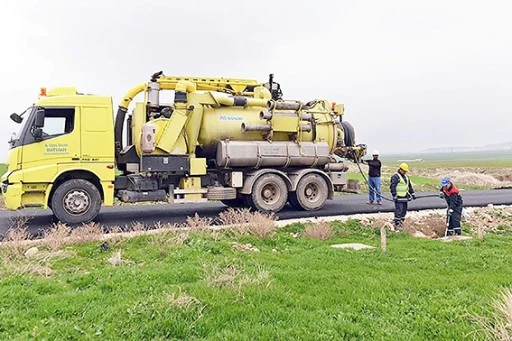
point(450, 193)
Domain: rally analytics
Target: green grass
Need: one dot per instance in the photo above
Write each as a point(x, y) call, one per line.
point(418, 290)
point(419, 183)
point(491, 159)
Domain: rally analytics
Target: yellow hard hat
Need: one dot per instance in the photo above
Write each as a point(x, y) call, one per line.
point(403, 166)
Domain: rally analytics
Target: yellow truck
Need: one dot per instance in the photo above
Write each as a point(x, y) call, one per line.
point(231, 140)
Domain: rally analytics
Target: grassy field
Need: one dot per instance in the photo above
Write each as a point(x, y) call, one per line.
point(491, 159)
point(201, 286)
point(420, 183)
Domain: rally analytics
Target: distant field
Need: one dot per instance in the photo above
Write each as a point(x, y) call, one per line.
point(451, 160)
point(420, 183)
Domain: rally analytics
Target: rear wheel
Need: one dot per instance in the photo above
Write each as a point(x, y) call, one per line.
point(76, 201)
point(311, 193)
point(269, 193)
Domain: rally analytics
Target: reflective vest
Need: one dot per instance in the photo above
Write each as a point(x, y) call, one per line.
point(402, 187)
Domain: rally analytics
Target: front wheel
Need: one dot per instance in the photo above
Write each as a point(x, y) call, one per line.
point(76, 201)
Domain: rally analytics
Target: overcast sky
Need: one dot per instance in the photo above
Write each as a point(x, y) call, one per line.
point(412, 74)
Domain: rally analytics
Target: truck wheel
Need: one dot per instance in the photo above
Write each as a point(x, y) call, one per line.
point(349, 133)
point(311, 193)
point(76, 201)
point(269, 193)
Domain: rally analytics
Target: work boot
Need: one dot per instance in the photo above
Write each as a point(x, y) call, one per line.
point(449, 232)
point(458, 231)
point(379, 202)
point(370, 202)
point(397, 225)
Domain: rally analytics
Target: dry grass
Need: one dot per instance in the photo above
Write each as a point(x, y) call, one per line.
point(137, 227)
point(237, 247)
point(56, 236)
point(198, 223)
point(115, 259)
point(37, 263)
point(178, 238)
point(182, 300)
point(321, 230)
point(86, 233)
point(499, 327)
point(15, 241)
point(185, 302)
point(245, 222)
point(233, 276)
point(20, 221)
point(235, 216)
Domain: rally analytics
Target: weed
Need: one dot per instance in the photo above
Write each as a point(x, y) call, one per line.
point(235, 217)
point(182, 300)
point(15, 241)
point(198, 223)
point(178, 238)
point(244, 222)
point(56, 236)
point(20, 221)
point(322, 230)
point(86, 233)
point(137, 227)
point(499, 325)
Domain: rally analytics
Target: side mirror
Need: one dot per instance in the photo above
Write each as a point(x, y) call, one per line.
point(39, 123)
point(16, 118)
point(38, 134)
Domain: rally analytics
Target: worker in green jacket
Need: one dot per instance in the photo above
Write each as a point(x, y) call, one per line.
point(402, 192)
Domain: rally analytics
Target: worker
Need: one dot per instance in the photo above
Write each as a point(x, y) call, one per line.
point(402, 192)
point(374, 183)
point(451, 194)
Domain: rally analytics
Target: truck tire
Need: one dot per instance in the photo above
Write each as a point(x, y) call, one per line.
point(311, 193)
point(349, 134)
point(76, 201)
point(269, 193)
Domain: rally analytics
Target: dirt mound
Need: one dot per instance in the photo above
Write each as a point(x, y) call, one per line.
point(476, 179)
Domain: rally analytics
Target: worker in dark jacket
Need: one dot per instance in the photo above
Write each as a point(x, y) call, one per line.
point(374, 166)
point(402, 192)
point(451, 194)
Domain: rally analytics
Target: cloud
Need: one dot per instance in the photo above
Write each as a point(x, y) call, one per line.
point(412, 75)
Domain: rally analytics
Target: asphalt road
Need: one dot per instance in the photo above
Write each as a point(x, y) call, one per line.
point(341, 205)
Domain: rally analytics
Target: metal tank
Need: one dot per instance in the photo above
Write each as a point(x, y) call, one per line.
point(247, 130)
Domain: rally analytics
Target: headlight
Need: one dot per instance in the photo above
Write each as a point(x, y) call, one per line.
point(4, 187)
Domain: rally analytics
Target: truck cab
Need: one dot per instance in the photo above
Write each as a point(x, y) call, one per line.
point(65, 138)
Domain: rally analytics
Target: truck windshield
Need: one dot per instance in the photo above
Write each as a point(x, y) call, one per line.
point(25, 115)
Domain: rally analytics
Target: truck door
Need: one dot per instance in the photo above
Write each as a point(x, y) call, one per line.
point(59, 143)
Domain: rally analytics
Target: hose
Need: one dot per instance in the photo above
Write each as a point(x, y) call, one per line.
point(375, 190)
